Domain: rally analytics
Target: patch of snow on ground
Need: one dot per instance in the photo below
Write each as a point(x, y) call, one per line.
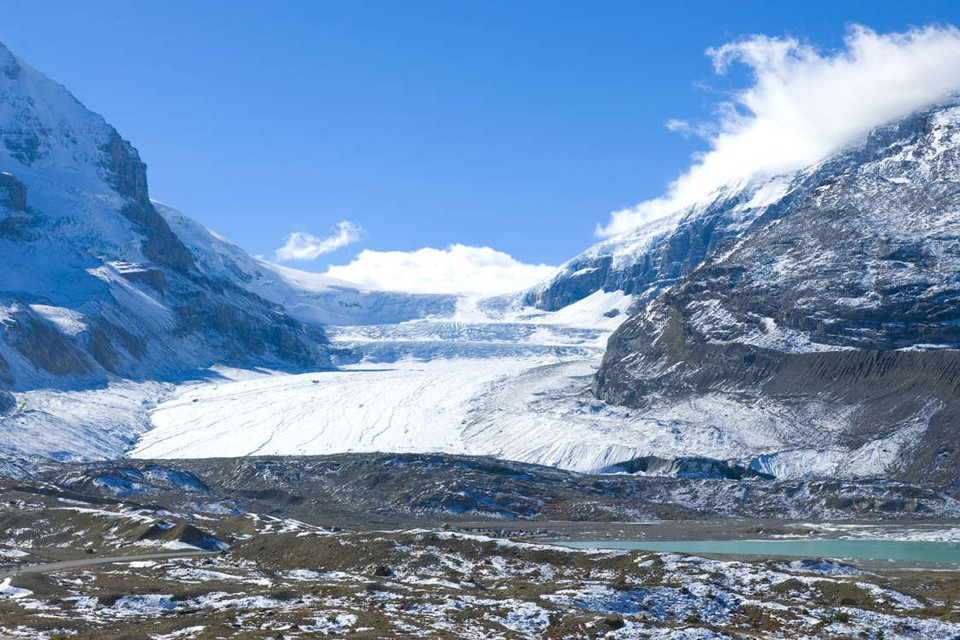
point(187, 632)
point(8, 591)
point(906, 533)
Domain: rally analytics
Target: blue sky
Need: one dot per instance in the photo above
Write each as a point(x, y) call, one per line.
point(514, 125)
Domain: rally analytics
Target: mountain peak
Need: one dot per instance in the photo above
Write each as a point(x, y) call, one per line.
point(45, 126)
point(9, 63)
point(49, 141)
point(81, 239)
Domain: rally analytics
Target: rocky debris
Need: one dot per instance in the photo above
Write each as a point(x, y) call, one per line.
point(373, 489)
point(686, 467)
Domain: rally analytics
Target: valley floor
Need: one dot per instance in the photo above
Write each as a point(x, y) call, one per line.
point(442, 546)
point(503, 382)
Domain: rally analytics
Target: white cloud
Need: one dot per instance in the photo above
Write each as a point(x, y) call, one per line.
point(803, 105)
point(457, 269)
point(304, 246)
point(679, 126)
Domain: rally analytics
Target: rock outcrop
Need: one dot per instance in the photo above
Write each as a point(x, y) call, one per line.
point(13, 193)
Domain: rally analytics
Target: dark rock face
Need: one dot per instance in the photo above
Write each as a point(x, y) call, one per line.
point(128, 174)
point(687, 468)
point(160, 244)
point(24, 145)
point(45, 347)
point(13, 193)
point(15, 222)
point(849, 298)
point(10, 68)
point(252, 335)
point(585, 276)
point(5, 376)
point(8, 403)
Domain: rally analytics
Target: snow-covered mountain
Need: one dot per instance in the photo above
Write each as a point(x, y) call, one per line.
point(660, 253)
point(792, 326)
point(829, 323)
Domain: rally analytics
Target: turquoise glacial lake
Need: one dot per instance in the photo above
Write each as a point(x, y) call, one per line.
point(938, 552)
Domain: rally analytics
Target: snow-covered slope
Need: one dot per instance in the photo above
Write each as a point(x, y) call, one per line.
point(309, 297)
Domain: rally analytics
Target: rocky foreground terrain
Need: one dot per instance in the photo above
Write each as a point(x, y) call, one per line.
point(203, 563)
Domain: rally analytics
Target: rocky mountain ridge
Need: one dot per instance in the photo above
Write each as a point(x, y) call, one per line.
point(836, 313)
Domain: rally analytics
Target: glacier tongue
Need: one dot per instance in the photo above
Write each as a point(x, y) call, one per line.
point(421, 385)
